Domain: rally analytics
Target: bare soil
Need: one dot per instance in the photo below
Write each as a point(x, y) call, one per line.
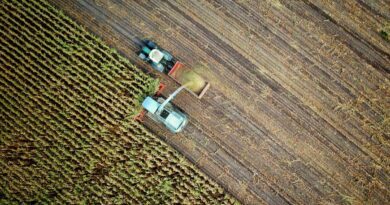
point(298, 109)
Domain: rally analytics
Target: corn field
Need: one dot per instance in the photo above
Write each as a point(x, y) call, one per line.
point(67, 131)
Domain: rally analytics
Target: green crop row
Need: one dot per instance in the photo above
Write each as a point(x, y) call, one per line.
point(67, 103)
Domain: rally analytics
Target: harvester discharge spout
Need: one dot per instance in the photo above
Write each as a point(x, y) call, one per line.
point(171, 96)
point(162, 61)
point(158, 108)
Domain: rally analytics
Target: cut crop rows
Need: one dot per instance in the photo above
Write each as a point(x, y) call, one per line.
point(67, 103)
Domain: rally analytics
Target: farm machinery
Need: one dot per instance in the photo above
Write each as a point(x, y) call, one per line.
point(157, 107)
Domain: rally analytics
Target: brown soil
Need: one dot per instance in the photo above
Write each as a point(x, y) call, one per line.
point(298, 110)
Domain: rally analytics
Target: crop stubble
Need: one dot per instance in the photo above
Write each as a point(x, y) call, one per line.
point(66, 108)
point(298, 108)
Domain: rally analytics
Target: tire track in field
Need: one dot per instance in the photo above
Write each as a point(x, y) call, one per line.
point(291, 138)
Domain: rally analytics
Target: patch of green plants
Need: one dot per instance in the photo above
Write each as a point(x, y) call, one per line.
point(68, 135)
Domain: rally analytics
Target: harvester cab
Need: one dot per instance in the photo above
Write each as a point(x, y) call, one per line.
point(162, 110)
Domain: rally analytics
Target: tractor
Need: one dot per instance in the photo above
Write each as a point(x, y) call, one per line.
point(158, 108)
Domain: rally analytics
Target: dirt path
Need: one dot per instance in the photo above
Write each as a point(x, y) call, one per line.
point(298, 111)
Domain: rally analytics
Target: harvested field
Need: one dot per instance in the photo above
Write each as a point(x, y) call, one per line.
point(68, 136)
point(298, 109)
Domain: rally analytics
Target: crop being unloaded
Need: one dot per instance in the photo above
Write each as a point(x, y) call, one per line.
point(67, 103)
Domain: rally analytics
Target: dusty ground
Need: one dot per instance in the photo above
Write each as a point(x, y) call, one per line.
point(298, 111)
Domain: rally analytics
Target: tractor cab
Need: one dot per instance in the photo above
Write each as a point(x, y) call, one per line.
point(160, 59)
point(162, 110)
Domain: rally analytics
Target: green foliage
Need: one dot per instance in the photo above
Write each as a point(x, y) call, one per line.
point(66, 104)
point(385, 32)
point(165, 186)
point(8, 202)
